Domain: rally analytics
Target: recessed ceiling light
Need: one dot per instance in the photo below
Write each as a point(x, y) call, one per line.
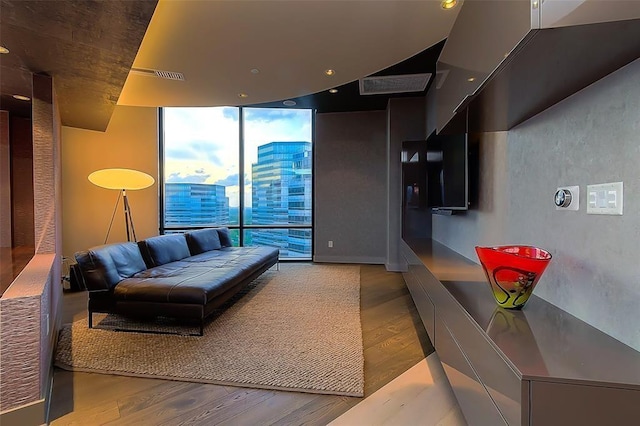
point(4, 49)
point(289, 103)
point(243, 95)
point(448, 4)
point(329, 72)
point(21, 97)
point(255, 71)
point(470, 79)
point(333, 90)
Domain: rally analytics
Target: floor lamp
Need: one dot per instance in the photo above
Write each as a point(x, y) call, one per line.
point(123, 180)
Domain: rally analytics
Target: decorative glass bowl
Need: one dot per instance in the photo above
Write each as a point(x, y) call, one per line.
point(513, 272)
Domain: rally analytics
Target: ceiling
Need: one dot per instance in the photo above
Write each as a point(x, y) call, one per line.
point(89, 47)
point(86, 46)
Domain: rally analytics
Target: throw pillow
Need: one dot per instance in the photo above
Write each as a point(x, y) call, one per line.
point(225, 239)
point(203, 240)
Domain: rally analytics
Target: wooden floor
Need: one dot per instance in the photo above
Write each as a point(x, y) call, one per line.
point(394, 341)
point(419, 396)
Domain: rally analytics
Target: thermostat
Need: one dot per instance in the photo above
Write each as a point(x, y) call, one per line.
point(567, 198)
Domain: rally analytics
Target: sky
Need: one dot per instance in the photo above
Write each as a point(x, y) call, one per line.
point(201, 143)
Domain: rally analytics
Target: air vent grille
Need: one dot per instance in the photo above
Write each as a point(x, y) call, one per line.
point(168, 75)
point(394, 84)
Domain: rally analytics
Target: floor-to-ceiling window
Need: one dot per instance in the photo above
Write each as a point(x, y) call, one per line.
point(249, 169)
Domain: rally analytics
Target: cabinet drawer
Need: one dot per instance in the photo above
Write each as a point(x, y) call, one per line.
point(501, 381)
point(422, 301)
point(476, 404)
point(584, 405)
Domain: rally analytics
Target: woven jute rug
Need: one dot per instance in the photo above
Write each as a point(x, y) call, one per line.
point(295, 329)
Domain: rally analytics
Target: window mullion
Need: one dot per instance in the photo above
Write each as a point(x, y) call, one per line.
point(241, 178)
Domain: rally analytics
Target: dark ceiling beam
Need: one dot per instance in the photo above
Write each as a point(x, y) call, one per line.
point(87, 46)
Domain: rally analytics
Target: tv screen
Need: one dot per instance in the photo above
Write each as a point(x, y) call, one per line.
point(414, 174)
point(447, 167)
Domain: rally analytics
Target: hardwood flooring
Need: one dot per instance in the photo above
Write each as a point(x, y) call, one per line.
point(419, 396)
point(394, 341)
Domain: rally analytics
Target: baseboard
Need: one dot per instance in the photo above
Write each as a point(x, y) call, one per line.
point(396, 267)
point(32, 414)
point(350, 259)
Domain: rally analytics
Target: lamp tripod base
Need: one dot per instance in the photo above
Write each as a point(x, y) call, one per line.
point(128, 219)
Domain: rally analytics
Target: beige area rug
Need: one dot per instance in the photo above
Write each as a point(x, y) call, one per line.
point(296, 329)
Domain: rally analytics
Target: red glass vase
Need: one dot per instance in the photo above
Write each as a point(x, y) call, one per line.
point(513, 272)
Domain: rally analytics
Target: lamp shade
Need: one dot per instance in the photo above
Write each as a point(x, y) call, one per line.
point(121, 179)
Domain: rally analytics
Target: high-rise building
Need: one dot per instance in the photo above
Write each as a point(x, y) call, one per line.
point(195, 204)
point(281, 195)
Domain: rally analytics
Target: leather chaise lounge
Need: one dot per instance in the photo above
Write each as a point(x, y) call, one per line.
point(184, 276)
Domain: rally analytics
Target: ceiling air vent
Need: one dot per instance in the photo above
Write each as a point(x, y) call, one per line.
point(394, 84)
point(168, 75)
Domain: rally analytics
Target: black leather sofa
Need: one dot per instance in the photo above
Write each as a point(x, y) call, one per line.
point(183, 276)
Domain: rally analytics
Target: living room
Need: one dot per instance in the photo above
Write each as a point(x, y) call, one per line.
point(587, 138)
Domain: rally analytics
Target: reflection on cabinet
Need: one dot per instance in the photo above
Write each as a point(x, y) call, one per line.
point(475, 47)
point(505, 61)
point(469, 389)
point(530, 367)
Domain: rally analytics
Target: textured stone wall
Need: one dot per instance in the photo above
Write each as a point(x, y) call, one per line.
point(29, 308)
point(20, 334)
point(21, 372)
point(44, 173)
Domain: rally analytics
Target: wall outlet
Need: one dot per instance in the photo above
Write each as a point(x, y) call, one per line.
point(330, 244)
point(605, 198)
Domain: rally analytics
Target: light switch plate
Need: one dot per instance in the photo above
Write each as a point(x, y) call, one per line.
point(605, 198)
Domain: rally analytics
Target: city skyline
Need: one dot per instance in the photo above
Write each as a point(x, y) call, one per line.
point(280, 194)
point(202, 143)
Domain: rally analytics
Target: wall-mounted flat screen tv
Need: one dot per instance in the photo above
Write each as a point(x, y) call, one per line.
point(448, 163)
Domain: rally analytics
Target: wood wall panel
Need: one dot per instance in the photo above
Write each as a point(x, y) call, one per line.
point(22, 181)
point(5, 181)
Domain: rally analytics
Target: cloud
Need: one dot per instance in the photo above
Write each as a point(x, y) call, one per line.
point(233, 180)
point(229, 180)
point(188, 178)
point(231, 113)
point(274, 114)
point(195, 150)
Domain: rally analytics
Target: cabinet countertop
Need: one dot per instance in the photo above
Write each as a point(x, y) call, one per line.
point(540, 341)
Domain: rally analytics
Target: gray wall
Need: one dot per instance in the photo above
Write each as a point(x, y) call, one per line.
point(484, 223)
point(591, 137)
point(350, 187)
point(406, 122)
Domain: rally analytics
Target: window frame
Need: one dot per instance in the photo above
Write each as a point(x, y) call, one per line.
point(241, 226)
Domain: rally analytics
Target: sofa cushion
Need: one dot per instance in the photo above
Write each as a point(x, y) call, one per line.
point(203, 240)
point(105, 266)
point(225, 239)
point(165, 249)
point(198, 279)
